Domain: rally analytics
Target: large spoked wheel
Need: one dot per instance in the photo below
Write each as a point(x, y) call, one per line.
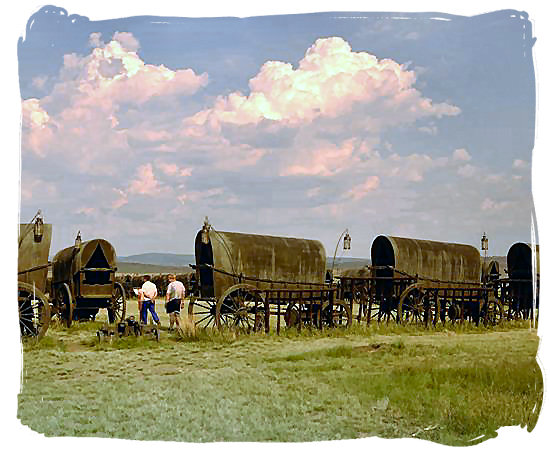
point(241, 308)
point(202, 312)
point(492, 313)
point(117, 309)
point(339, 316)
point(34, 311)
point(64, 305)
point(451, 311)
point(416, 307)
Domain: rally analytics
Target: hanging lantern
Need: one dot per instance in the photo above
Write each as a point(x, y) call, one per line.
point(484, 242)
point(205, 238)
point(38, 229)
point(347, 241)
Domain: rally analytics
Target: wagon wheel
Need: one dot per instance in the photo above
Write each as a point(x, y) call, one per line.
point(416, 307)
point(64, 305)
point(455, 313)
point(341, 314)
point(202, 312)
point(292, 315)
point(241, 307)
point(34, 311)
point(117, 309)
point(362, 297)
point(385, 311)
point(372, 309)
point(492, 312)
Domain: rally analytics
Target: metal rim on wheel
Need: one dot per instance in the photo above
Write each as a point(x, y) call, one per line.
point(117, 310)
point(493, 313)
point(34, 311)
point(341, 314)
point(64, 304)
point(240, 308)
point(415, 307)
point(202, 312)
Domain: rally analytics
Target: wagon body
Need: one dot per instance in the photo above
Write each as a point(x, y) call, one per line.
point(244, 279)
point(33, 253)
point(88, 270)
point(522, 280)
point(299, 263)
point(430, 260)
point(490, 271)
point(32, 269)
point(519, 261)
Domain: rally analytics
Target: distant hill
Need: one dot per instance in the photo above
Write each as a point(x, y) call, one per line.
point(161, 259)
point(347, 263)
point(131, 267)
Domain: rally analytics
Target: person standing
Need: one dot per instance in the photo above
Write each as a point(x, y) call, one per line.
point(147, 296)
point(175, 294)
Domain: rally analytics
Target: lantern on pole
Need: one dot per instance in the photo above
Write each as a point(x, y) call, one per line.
point(205, 238)
point(38, 227)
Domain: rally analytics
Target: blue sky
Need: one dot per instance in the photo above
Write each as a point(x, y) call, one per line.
point(414, 127)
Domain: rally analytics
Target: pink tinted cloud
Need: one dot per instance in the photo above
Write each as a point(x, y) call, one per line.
point(329, 81)
point(79, 116)
point(121, 200)
point(325, 162)
point(145, 182)
point(461, 154)
point(361, 190)
point(174, 169)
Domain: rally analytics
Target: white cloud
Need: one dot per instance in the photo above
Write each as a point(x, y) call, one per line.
point(79, 119)
point(467, 171)
point(329, 81)
point(520, 164)
point(461, 154)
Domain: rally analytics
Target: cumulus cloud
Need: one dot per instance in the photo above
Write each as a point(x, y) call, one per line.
point(127, 40)
point(329, 81)
point(145, 182)
point(79, 119)
point(461, 154)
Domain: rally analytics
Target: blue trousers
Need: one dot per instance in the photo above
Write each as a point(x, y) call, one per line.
point(148, 305)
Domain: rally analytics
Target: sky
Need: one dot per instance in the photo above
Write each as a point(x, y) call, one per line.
point(417, 125)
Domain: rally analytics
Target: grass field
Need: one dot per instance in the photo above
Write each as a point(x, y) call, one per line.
point(449, 386)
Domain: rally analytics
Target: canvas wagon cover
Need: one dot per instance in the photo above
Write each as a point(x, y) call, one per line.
point(71, 260)
point(33, 254)
point(275, 258)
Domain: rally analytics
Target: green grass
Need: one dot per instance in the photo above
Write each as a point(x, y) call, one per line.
point(448, 386)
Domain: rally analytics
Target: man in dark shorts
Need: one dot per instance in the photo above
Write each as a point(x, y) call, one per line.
point(175, 293)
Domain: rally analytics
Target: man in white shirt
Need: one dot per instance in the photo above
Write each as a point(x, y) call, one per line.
point(175, 293)
point(146, 300)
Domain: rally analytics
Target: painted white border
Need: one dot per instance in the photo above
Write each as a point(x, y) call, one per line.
point(15, 19)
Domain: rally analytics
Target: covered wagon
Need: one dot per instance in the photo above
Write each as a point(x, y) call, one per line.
point(422, 280)
point(83, 281)
point(238, 274)
point(32, 272)
point(520, 291)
